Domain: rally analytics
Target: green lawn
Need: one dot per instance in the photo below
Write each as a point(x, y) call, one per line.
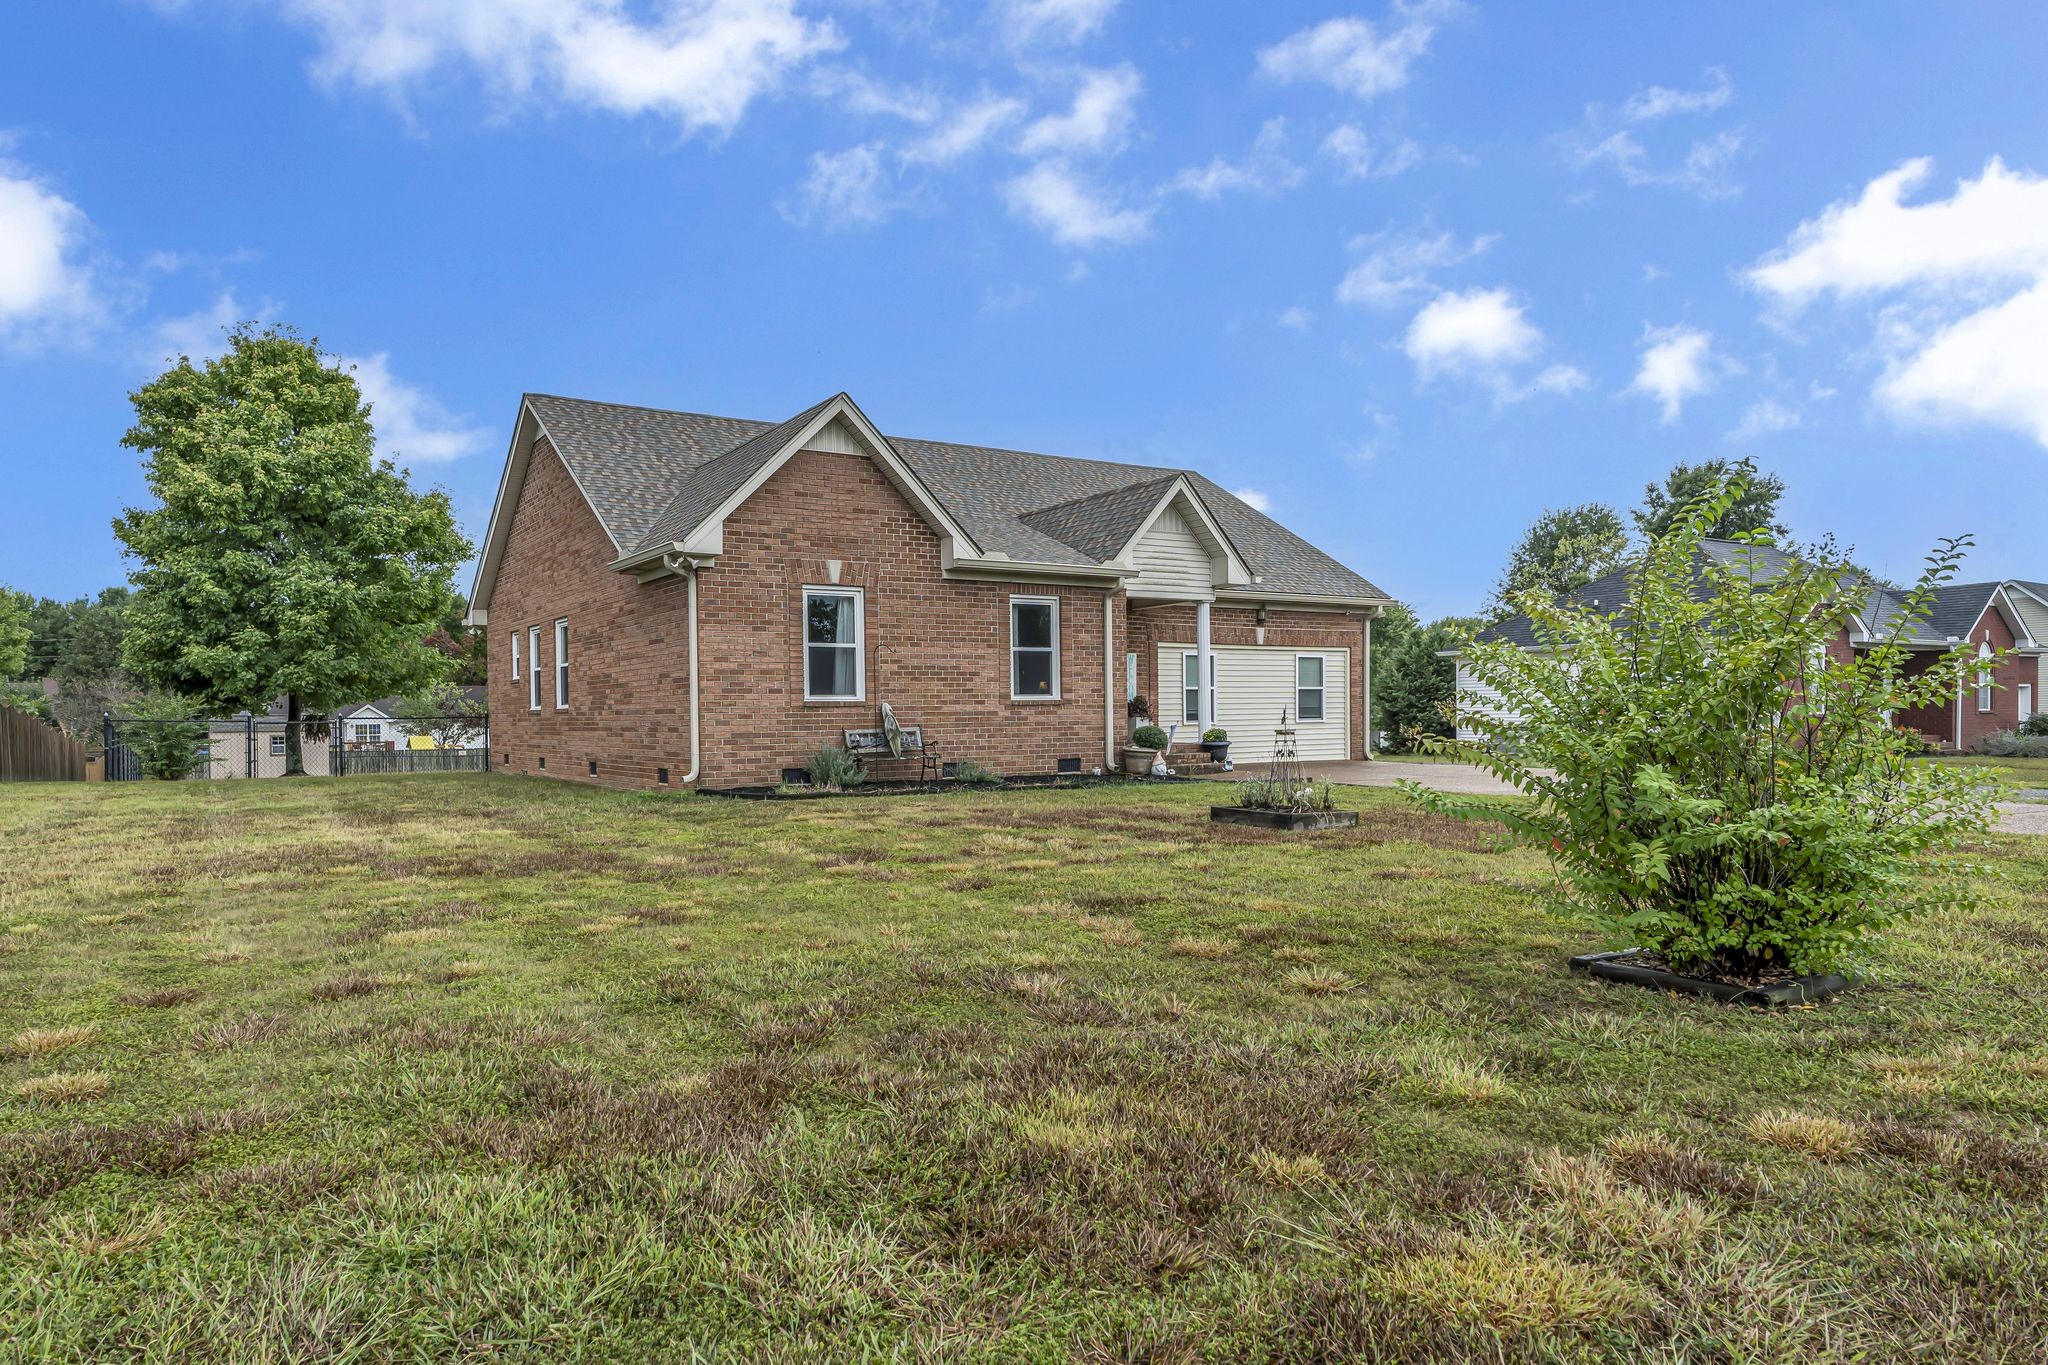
point(2012, 773)
point(464, 1066)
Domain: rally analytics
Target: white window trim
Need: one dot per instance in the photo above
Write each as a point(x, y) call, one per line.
point(533, 668)
point(860, 639)
point(1027, 600)
point(518, 674)
point(1983, 682)
point(1323, 691)
point(1183, 689)
point(2024, 706)
point(277, 746)
point(561, 663)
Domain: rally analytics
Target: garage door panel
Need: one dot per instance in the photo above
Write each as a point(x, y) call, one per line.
point(1254, 684)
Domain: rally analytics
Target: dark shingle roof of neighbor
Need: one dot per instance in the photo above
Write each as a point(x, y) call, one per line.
point(652, 476)
point(1950, 615)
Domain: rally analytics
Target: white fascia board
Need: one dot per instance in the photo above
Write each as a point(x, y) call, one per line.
point(1375, 606)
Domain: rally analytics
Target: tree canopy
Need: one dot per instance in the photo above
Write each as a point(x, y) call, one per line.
point(1565, 549)
point(282, 558)
point(1412, 686)
point(1753, 506)
point(14, 632)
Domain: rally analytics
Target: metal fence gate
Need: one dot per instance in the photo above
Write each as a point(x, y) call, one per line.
point(247, 746)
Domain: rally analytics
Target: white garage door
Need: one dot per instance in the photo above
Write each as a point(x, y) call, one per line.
point(1254, 683)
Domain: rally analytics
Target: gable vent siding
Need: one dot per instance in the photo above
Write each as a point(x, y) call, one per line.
point(837, 438)
point(2032, 615)
point(1172, 559)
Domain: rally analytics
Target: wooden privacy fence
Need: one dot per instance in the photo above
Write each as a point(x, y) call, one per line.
point(34, 751)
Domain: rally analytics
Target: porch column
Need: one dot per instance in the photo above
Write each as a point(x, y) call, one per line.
point(1205, 701)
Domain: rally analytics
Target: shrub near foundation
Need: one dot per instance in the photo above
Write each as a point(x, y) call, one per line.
point(1708, 782)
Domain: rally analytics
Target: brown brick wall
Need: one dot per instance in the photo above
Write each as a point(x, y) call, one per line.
point(1168, 623)
point(1939, 722)
point(629, 646)
point(937, 650)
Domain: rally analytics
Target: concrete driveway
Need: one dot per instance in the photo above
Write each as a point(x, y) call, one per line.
point(2014, 817)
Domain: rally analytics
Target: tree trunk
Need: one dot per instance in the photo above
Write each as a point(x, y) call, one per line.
point(294, 748)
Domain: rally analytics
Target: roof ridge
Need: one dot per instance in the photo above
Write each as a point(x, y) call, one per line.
point(643, 407)
point(659, 527)
point(1167, 477)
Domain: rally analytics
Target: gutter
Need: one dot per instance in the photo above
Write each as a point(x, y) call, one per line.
point(686, 565)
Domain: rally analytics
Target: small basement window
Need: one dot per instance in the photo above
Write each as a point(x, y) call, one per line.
point(593, 767)
point(661, 776)
point(1070, 765)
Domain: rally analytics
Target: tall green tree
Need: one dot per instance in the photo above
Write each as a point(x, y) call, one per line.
point(1753, 508)
point(1565, 549)
point(93, 653)
point(1413, 692)
point(14, 633)
point(282, 557)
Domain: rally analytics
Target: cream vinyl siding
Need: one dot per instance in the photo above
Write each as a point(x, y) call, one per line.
point(1474, 695)
point(2032, 614)
point(1173, 559)
point(1254, 684)
point(838, 438)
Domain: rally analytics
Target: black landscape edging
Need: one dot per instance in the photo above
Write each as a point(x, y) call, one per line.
point(913, 788)
point(1284, 819)
point(1617, 967)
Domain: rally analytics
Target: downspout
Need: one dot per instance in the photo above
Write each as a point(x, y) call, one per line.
point(685, 564)
point(1109, 676)
point(1366, 748)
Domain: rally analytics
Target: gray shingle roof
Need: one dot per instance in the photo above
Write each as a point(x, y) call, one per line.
point(1100, 525)
point(652, 476)
point(1954, 610)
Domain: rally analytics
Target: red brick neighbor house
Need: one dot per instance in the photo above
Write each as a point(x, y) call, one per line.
point(678, 599)
point(2007, 618)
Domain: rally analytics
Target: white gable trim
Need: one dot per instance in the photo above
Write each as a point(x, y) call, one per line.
point(1235, 573)
point(2013, 620)
point(518, 458)
point(708, 538)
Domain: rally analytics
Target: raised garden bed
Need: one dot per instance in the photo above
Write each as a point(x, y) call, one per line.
point(1283, 819)
point(1631, 967)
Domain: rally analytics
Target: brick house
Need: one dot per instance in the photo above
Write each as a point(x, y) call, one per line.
point(2008, 617)
point(681, 599)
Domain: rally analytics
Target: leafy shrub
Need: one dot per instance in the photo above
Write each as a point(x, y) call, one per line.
point(974, 774)
point(834, 769)
point(1137, 708)
point(165, 739)
point(1706, 781)
point(1215, 735)
point(2035, 724)
point(2016, 744)
point(1264, 793)
point(1149, 737)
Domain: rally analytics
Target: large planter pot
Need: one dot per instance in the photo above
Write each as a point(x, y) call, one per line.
point(1624, 968)
point(1283, 819)
point(1138, 762)
point(1220, 752)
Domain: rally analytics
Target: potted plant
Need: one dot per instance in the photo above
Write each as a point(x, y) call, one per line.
point(1139, 710)
point(1143, 750)
point(1216, 743)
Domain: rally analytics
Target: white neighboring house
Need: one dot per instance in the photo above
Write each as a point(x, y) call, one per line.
point(238, 742)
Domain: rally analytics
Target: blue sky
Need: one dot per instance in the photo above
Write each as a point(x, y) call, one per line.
point(1409, 273)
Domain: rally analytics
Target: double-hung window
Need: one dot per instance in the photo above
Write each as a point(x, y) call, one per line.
point(516, 674)
point(277, 746)
point(1034, 648)
point(1984, 682)
point(834, 645)
point(2025, 694)
point(533, 668)
point(1308, 687)
point(1190, 690)
point(562, 664)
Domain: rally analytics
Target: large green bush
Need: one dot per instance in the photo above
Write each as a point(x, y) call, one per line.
point(834, 769)
point(2016, 744)
point(165, 739)
point(1707, 780)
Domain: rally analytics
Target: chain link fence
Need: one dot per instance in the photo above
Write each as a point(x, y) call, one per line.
point(203, 748)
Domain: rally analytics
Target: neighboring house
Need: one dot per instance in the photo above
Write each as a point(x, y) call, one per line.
point(380, 724)
point(2009, 615)
point(689, 599)
point(246, 746)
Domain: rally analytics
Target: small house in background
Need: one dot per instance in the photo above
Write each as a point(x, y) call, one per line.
point(2007, 616)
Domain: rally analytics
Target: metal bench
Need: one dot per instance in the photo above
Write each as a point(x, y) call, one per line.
point(891, 741)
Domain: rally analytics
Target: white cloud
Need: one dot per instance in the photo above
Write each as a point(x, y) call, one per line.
point(44, 285)
point(1296, 318)
point(1354, 55)
point(1067, 21)
point(1357, 159)
point(200, 335)
point(698, 62)
point(1705, 172)
point(410, 424)
point(1051, 197)
point(1398, 267)
point(1265, 171)
point(1964, 281)
point(1678, 364)
point(1100, 120)
point(1486, 336)
point(1660, 101)
point(1253, 498)
point(1479, 329)
point(847, 188)
point(1765, 417)
point(964, 132)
